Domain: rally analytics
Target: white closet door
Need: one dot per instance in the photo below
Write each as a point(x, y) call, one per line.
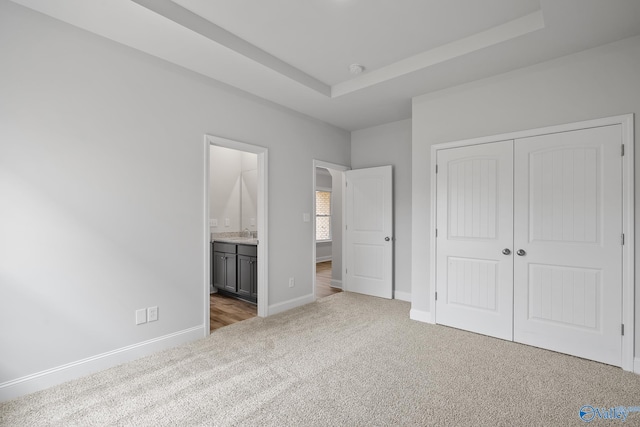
point(568, 210)
point(475, 225)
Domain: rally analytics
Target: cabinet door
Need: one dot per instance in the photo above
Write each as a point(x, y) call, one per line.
point(230, 272)
point(244, 275)
point(254, 278)
point(219, 273)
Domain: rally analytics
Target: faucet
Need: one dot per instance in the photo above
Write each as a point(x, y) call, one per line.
point(246, 233)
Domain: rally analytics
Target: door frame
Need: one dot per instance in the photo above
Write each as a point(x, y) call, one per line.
point(342, 169)
point(628, 214)
point(262, 220)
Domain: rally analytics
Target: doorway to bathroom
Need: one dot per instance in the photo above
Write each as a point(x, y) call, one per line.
point(235, 232)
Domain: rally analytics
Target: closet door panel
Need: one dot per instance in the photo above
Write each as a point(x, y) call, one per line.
point(475, 224)
point(568, 222)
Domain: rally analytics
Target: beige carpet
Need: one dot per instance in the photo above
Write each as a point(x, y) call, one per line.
point(347, 360)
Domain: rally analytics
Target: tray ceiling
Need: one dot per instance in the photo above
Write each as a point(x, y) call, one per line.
point(297, 53)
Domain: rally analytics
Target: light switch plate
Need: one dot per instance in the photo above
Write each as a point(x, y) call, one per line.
point(213, 222)
point(141, 316)
point(306, 217)
point(227, 222)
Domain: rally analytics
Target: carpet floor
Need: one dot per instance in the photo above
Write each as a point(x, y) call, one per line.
point(345, 360)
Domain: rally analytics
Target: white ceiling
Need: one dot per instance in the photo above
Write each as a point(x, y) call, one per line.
point(297, 53)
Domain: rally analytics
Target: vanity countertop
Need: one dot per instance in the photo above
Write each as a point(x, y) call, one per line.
point(236, 240)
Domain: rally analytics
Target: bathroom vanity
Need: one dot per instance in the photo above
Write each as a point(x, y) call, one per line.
point(234, 265)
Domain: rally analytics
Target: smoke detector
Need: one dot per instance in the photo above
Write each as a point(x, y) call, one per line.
point(356, 69)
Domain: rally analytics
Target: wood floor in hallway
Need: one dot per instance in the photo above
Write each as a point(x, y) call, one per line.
point(323, 280)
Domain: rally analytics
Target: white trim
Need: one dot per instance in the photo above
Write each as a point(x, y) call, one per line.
point(402, 296)
point(586, 124)
point(323, 259)
point(290, 304)
point(336, 283)
point(206, 317)
point(262, 217)
point(636, 365)
point(340, 168)
point(432, 235)
point(420, 316)
point(50, 377)
point(628, 250)
point(628, 212)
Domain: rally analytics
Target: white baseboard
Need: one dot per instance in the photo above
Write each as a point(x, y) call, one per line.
point(402, 296)
point(323, 258)
point(636, 365)
point(292, 303)
point(420, 316)
point(60, 374)
point(336, 283)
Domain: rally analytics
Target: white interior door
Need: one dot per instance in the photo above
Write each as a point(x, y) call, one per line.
point(568, 210)
point(474, 273)
point(369, 227)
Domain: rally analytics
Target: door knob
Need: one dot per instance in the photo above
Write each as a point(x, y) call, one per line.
point(386, 239)
point(521, 252)
point(506, 251)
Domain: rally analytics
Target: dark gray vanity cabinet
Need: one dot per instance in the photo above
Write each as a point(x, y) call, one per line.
point(224, 264)
point(247, 272)
point(235, 269)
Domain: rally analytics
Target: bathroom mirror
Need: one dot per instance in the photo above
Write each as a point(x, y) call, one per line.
point(233, 188)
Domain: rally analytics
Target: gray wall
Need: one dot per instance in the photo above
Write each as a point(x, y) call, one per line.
point(102, 188)
point(390, 144)
point(592, 84)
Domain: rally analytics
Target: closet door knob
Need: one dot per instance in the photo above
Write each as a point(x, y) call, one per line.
point(386, 239)
point(506, 251)
point(521, 252)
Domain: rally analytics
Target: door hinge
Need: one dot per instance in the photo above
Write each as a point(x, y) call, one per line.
point(436, 232)
point(622, 239)
point(622, 329)
point(436, 168)
point(622, 151)
point(436, 296)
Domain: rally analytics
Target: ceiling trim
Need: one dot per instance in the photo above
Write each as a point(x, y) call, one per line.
point(219, 35)
point(501, 33)
point(196, 23)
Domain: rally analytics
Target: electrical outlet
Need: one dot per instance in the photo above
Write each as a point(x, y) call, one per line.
point(292, 282)
point(152, 314)
point(227, 222)
point(141, 316)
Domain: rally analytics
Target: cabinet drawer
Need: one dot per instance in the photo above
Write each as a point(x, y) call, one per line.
point(250, 250)
point(229, 248)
